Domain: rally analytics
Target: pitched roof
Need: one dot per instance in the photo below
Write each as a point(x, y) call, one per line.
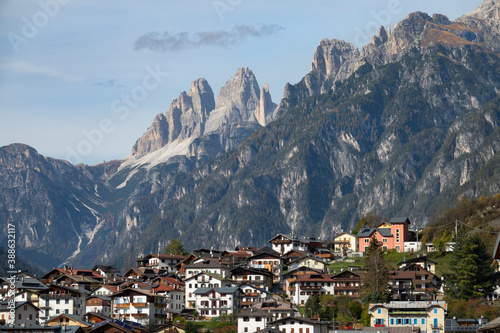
point(367, 232)
point(399, 220)
point(206, 264)
point(418, 259)
point(73, 317)
point(106, 268)
point(124, 325)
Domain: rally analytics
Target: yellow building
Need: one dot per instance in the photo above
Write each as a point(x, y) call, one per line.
point(428, 316)
point(346, 241)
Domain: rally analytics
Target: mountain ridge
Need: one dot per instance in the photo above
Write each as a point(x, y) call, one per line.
point(402, 126)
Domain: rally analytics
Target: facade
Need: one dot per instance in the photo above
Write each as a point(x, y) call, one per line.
point(138, 306)
point(252, 320)
point(203, 280)
point(428, 316)
point(251, 294)
point(260, 278)
point(59, 300)
point(300, 324)
point(308, 261)
point(167, 262)
point(268, 261)
point(26, 314)
point(346, 242)
point(347, 283)
point(392, 235)
point(214, 302)
point(207, 266)
point(302, 286)
point(175, 298)
point(108, 272)
point(98, 304)
point(423, 262)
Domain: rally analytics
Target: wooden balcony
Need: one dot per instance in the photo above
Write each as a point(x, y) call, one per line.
point(310, 287)
point(122, 305)
point(139, 315)
point(139, 305)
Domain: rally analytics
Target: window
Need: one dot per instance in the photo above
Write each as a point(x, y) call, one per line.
point(379, 311)
point(246, 329)
point(423, 321)
point(392, 321)
point(414, 321)
point(435, 311)
point(384, 240)
point(398, 321)
point(367, 240)
point(407, 321)
point(58, 301)
point(379, 321)
point(66, 301)
point(435, 322)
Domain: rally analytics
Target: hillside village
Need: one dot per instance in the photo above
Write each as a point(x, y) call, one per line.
point(267, 289)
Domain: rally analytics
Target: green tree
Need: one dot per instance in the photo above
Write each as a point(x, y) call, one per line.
point(355, 309)
point(312, 306)
point(473, 276)
point(375, 282)
point(175, 247)
point(190, 327)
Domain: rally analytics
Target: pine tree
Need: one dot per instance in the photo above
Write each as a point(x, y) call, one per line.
point(175, 247)
point(473, 275)
point(375, 281)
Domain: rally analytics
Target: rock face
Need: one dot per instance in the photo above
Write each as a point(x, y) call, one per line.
point(402, 127)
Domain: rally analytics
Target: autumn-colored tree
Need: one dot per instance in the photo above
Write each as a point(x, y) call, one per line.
point(375, 282)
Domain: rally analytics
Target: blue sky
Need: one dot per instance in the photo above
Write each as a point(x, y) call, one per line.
point(82, 79)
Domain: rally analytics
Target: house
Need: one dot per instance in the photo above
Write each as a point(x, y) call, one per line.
point(346, 242)
point(56, 272)
point(79, 282)
point(428, 316)
point(292, 255)
point(118, 326)
point(95, 318)
point(449, 247)
point(401, 285)
point(253, 320)
point(207, 266)
point(203, 280)
point(251, 294)
point(214, 302)
point(278, 309)
point(41, 329)
point(258, 277)
point(24, 284)
point(139, 306)
point(98, 304)
point(425, 285)
point(493, 326)
point(302, 286)
point(59, 299)
point(283, 243)
point(464, 325)
point(168, 281)
point(170, 328)
point(108, 272)
point(175, 298)
point(167, 262)
point(308, 261)
point(347, 283)
point(413, 246)
point(25, 314)
point(268, 259)
point(423, 262)
point(392, 235)
point(68, 320)
point(144, 273)
point(237, 258)
point(105, 290)
point(300, 324)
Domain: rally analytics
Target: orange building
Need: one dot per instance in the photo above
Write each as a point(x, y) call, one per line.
point(392, 235)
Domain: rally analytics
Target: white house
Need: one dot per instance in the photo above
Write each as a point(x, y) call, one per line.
point(105, 290)
point(175, 298)
point(300, 287)
point(214, 302)
point(428, 316)
point(139, 306)
point(252, 320)
point(346, 242)
point(300, 324)
point(161, 261)
point(59, 300)
point(107, 272)
point(251, 294)
point(412, 246)
point(207, 266)
point(26, 314)
point(203, 280)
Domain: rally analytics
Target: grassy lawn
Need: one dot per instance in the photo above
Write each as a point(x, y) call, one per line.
point(443, 262)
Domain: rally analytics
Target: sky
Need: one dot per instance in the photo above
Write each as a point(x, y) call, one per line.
point(82, 80)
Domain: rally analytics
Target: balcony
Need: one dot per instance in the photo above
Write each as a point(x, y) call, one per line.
point(122, 305)
point(310, 287)
point(139, 315)
point(250, 295)
point(284, 241)
point(139, 305)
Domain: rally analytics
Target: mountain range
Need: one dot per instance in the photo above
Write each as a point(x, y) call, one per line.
point(402, 127)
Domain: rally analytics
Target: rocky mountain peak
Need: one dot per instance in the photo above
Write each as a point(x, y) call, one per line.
point(202, 96)
point(266, 106)
point(241, 91)
point(488, 10)
point(332, 55)
point(155, 137)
